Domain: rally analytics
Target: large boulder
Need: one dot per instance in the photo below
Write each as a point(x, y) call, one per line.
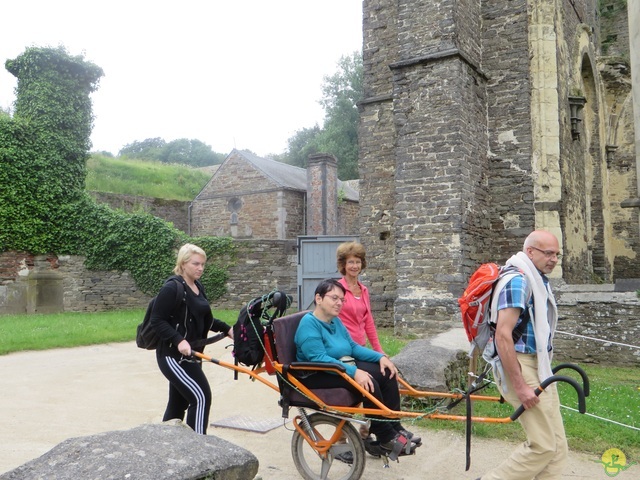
point(440, 363)
point(149, 452)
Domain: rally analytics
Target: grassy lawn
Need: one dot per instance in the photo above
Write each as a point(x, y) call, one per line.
point(42, 332)
point(615, 392)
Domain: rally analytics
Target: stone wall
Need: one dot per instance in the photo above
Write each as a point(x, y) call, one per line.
point(261, 267)
point(593, 311)
point(97, 291)
point(174, 211)
point(47, 284)
point(466, 146)
point(597, 311)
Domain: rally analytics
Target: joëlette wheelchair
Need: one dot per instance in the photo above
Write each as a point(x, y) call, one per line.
point(324, 425)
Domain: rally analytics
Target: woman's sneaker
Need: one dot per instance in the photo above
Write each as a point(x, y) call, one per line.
point(346, 457)
point(372, 447)
point(410, 435)
point(398, 446)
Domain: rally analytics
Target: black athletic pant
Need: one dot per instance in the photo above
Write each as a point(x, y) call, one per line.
point(385, 389)
point(189, 392)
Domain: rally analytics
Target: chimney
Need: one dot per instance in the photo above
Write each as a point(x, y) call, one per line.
point(322, 194)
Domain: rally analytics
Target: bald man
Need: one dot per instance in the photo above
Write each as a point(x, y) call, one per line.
point(524, 328)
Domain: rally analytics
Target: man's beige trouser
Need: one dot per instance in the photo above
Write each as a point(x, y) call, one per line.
point(544, 455)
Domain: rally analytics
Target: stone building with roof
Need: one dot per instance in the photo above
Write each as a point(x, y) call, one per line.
point(250, 197)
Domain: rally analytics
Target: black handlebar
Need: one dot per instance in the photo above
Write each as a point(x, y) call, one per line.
point(585, 379)
point(582, 407)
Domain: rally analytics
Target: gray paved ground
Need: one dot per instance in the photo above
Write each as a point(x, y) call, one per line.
point(50, 396)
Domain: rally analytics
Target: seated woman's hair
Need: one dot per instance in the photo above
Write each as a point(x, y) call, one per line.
point(327, 285)
point(349, 249)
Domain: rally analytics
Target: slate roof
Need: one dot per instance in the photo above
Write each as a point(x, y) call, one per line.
point(288, 176)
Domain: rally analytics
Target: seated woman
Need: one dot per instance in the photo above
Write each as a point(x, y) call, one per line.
point(321, 337)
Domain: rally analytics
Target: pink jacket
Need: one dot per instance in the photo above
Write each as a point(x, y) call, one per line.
point(363, 328)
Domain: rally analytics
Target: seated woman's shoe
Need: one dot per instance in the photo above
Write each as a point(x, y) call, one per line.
point(372, 447)
point(398, 446)
point(346, 457)
point(410, 435)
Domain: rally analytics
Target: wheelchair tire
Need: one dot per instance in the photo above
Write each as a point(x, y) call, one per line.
point(312, 467)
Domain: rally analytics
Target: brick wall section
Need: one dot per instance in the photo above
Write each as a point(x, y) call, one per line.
point(13, 265)
point(322, 195)
point(174, 211)
point(348, 218)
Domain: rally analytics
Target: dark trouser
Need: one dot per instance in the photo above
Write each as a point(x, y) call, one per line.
point(385, 390)
point(189, 392)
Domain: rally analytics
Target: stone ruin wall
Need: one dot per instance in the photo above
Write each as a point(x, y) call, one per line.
point(174, 211)
point(456, 123)
point(376, 160)
point(48, 284)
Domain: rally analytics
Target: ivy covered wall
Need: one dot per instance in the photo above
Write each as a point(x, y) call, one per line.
point(43, 204)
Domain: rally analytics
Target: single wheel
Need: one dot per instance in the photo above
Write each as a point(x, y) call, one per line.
point(313, 467)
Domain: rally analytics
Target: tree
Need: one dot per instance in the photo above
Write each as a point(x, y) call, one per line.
point(339, 135)
point(189, 152)
point(184, 151)
point(301, 145)
point(148, 149)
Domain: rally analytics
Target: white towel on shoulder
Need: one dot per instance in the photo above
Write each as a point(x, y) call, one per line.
point(545, 312)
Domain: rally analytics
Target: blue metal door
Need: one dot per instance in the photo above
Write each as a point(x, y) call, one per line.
point(316, 261)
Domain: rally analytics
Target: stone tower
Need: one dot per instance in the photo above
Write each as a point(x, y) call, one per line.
point(482, 121)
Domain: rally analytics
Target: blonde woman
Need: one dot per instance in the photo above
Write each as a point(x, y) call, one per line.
point(179, 324)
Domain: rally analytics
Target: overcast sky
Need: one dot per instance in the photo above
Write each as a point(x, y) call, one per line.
point(232, 73)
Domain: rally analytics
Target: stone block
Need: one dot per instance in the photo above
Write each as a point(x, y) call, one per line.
point(149, 452)
point(438, 363)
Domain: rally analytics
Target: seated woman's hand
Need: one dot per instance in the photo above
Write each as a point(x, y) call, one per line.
point(363, 379)
point(387, 364)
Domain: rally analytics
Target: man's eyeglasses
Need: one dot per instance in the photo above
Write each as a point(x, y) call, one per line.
point(336, 298)
point(548, 253)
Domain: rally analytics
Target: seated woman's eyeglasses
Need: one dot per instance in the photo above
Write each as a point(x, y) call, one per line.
point(336, 298)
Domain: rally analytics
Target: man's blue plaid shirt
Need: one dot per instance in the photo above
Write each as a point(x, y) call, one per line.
point(514, 295)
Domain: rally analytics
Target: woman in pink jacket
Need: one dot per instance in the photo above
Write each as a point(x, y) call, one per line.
point(356, 311)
